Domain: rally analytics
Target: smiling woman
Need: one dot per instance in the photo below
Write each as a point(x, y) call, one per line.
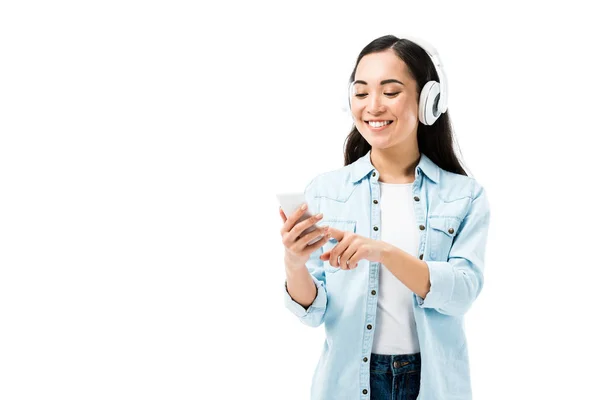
point(408, 228)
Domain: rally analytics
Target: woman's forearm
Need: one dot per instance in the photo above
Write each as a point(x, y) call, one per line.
point(410, 270)
point(300, 285)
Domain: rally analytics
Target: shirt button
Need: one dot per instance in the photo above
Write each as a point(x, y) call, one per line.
point(417, 198)
point(422, 227)
point(375, 202)
point(369, 327)
point(374, 174)
point(365, 359)
point(451, 230)
point(375, 228)
point(365, 391)
point(373, 292)
point(421, 257)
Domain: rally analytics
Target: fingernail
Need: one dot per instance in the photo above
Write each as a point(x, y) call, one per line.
point(303, 207)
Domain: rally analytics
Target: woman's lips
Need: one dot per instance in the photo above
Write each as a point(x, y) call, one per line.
point(378, 128)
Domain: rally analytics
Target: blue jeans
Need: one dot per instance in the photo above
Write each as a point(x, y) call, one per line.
point(395, 377)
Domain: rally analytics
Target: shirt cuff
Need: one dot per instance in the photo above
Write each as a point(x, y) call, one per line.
point(319, 302)
point(441, 278)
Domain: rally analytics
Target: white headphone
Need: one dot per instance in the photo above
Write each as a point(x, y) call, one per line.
point(433, 100)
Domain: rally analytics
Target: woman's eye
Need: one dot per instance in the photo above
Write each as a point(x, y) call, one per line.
point(363, 95)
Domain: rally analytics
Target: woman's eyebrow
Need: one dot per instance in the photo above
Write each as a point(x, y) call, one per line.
point(383, 82)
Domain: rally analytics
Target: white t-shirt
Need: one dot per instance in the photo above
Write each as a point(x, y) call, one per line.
point(396, 330)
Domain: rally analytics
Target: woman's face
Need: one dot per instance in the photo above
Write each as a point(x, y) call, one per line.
point(384, 101)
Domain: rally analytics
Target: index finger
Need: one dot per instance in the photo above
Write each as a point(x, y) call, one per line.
point(336, 233)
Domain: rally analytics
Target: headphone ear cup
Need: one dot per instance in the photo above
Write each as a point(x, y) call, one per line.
point(428, 103)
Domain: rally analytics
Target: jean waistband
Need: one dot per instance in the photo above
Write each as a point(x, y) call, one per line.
point(395, 362)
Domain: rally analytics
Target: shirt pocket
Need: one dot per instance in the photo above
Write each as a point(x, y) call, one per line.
point(442, 231)
point(342, 225)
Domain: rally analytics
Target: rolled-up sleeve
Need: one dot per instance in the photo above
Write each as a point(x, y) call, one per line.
point(456, 283)
point(315, 313)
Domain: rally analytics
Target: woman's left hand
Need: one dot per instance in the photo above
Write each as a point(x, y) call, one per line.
point(352, 248)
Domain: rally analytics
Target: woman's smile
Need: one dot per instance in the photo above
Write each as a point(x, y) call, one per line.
point(378, 125)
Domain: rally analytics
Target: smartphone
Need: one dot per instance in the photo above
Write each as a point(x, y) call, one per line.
point(289, 203)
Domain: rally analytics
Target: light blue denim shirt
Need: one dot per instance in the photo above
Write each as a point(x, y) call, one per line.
point(453, 215)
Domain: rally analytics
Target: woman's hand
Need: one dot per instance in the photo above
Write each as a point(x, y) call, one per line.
point(352, 248)
point(297, 251)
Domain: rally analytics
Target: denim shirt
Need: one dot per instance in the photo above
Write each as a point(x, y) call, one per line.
point(452, 213)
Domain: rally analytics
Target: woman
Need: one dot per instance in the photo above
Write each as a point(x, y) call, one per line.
point(405, 231)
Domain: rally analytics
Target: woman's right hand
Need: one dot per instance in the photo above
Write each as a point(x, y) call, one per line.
point(297, 251)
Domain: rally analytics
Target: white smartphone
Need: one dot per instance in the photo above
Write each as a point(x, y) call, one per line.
point(289, 203)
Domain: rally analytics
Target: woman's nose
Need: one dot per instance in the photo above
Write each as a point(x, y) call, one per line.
point(375, 104)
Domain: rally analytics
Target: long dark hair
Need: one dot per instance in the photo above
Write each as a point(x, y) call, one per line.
point(435, 141)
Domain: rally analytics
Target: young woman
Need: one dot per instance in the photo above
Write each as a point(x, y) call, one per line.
point(405, 230)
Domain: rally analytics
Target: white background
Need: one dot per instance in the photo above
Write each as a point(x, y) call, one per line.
point(141, 147)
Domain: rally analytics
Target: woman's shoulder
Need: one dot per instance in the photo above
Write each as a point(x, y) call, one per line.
point(330, 177)
point(334, 184)
point(459, 185)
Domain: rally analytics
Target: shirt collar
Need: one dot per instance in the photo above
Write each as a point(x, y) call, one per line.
point(363, 166)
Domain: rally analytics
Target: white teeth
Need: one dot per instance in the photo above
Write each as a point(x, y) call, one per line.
point(377, 124)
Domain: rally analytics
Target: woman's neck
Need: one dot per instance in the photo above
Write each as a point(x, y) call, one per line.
point(395, 166)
